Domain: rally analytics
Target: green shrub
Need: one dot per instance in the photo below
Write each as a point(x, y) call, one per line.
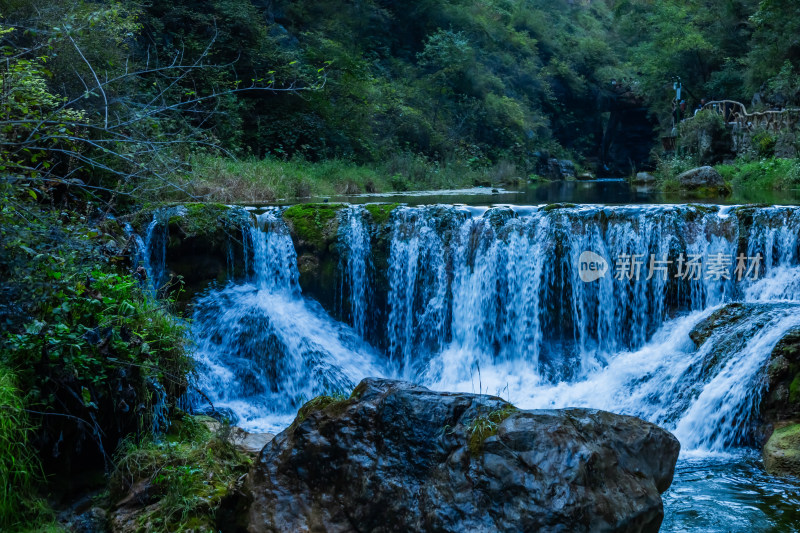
point(667, 169)
point(96, 359)
point(769, 173)
point(764, 143)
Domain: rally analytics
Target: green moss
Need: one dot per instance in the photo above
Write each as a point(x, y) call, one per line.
point(313, 224)
point(782, 452)
point(553, 207)
point(485, 425)
point(794, 389)
point(335, 401)
point(380, 213)
point(211, 221)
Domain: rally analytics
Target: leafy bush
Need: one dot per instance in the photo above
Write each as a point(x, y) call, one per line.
point(667, 169)
point(96, 358)
point(764, 143)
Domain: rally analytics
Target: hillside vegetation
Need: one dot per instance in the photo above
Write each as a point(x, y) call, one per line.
point(132, 93)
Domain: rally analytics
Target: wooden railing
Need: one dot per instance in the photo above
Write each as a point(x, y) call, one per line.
point(735, 114)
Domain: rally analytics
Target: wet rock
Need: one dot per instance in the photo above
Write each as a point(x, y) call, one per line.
point(586, 176)
point(644, 178)
point(314, 230)
point(251, 443)
point(561, 169)
point(782, 452)
point(702, 179)
point(95, 520)
point(781, 400)
point(399, 457)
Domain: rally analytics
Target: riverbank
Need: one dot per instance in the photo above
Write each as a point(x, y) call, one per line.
point(740, 175)
point(227, 180)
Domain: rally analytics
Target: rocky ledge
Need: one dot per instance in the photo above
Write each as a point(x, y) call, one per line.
point(399, 457)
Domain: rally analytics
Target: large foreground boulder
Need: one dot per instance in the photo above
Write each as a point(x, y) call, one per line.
point(399, 457)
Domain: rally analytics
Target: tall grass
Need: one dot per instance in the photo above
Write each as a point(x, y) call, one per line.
point(268, 180)
point(19, 466)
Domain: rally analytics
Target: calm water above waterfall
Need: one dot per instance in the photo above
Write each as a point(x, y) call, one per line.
point(491, 300)
point(605, 191)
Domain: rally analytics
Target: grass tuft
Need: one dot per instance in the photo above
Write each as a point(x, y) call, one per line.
point(19, 466)
point(485, 425)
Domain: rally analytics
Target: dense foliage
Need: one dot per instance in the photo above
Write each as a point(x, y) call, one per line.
point(125, 90)
point(85, 358)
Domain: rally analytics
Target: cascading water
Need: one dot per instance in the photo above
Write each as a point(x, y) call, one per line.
point(493, 301)
point(355, 266)
point(496, 293)
point(508, 287)
point(262, 349)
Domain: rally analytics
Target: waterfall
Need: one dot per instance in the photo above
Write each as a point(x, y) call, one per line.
point(355, 266)
point(262, 349)
point(507, 285)
point(494, 300)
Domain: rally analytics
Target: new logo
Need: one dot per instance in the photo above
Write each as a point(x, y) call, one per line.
point(591, 266)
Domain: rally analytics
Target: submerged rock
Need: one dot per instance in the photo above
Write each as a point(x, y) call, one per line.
point(399, 457)
point(782, 452)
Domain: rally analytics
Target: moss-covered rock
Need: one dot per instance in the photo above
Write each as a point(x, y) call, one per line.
point(703, 181)
point(314, 226)
point(204, 242)
point(314, 230)
point(781, 401)
point(380, 213)
point(782, 452)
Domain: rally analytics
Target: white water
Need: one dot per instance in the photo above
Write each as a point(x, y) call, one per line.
point(491, 301)
point(355, 265)
point(262, 349)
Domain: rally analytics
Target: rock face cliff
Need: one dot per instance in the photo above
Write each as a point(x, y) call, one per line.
point(399, 457)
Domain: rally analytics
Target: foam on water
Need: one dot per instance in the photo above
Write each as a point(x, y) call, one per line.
point(491, 301)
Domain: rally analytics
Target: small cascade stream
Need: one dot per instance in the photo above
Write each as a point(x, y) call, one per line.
point(492, 300)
